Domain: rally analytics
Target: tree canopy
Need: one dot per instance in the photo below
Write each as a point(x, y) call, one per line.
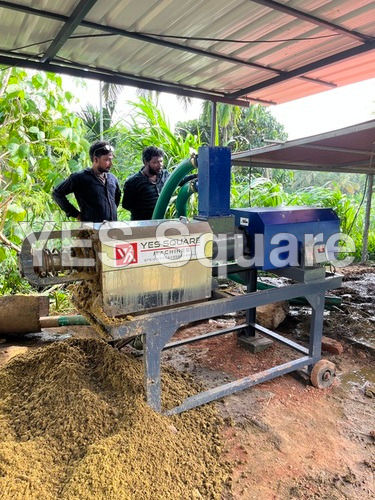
point(239, 128)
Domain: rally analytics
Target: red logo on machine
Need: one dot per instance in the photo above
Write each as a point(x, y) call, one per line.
point(126, 253)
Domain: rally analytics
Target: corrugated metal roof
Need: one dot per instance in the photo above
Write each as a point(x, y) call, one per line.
point(350, 149)
point(259, 50)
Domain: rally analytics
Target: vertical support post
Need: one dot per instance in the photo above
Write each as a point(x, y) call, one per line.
point(101, 110)
point(251, 280)
point(370, 184)
point(316, 325)
point(248, 337)
point(213, 123)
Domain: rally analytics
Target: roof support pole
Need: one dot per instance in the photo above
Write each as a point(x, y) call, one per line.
point(101, 109)
point(213, 123)
point(370, 184)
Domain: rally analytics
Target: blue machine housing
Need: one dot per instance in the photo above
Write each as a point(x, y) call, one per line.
point(298, 221)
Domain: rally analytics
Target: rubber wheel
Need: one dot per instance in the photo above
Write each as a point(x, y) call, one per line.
point(323, 374)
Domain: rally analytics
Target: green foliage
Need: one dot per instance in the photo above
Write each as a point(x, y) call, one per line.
point(41, 142)
point(10, 278)
point(238, 128)
point(148, 126)
point(60, 300)
point(90, 116)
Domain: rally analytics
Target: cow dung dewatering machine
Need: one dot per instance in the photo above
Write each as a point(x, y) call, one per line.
point(149, 278)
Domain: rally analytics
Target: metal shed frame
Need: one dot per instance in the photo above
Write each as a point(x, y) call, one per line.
point(346, 56)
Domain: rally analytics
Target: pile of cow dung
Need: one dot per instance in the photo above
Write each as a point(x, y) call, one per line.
point(74, 424)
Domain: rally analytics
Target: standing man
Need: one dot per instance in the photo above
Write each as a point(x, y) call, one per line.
point(141, 190)
point(96, 190)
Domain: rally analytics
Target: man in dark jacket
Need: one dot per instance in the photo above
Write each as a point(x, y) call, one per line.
point(96, 190)
point(141, 190)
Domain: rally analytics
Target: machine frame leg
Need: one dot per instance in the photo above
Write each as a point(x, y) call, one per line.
point(316, 325)
point(251, 280)
point(153, 345)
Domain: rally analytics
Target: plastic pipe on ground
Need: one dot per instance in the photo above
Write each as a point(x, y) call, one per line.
point(51, 321)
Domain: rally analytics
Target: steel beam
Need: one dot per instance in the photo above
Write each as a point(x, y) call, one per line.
point(198, 338)
point(319, 82)
point(63, 35)
point(74, 69)
point(36, 12)
point(280, 338)
point(140, 37)
point(239, 385)
point(336, 149)
point(188, 314)
point(316, 301)
point(361, 49)
point(287, 9)
point(362, 168)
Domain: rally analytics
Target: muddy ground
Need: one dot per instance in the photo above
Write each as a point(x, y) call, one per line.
point(284, 438)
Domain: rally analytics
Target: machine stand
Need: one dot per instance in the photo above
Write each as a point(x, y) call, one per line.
point(158, 328)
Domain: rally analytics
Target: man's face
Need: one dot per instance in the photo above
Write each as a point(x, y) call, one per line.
point(103, 163)
point(155, 165)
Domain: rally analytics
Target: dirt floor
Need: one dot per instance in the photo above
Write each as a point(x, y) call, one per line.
point(285, 439)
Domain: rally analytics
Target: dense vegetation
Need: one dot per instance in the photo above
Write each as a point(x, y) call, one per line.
point(42, 141)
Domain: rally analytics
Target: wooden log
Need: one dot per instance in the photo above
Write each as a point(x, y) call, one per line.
point(19, 314)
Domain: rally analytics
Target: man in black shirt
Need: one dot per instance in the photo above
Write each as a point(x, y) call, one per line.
point(141, 190)
point(96, 190)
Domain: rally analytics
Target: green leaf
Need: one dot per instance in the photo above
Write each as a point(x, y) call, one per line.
point(69, 96)
point(3, 253)
point(33, 130)
point(20, 172)
point(24, 151)
point(13, 148)
point(44, 163)
point(38, 80)
point(30, 106)
point(16, 213)
point(14, 91)
point(13, 88)
point(66, 132)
